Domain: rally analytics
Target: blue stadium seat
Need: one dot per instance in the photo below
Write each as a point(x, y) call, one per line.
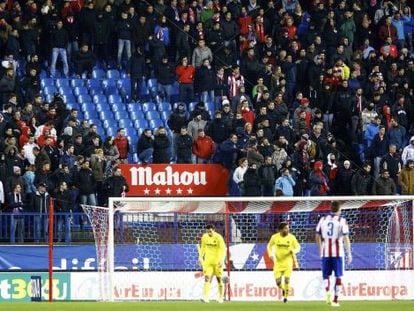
point(68, 98)
point(65, 90)
point(176, 105)
point(136, 115)
point(91, 116)
point(165, 115)
point(99, 99)
point(102, 107)
point(109, 123)
point(98, 74)
point(101, 131)
point(152, 83)
point(80, 90)
point(155, 123)
point(49, 90)
point(121, 115)
point(125, 123)
point(164, 106)
point(108, 82)
point(77, 82)
point(113, 74)
point(124, 83)
point(134, 107)
point(87, 107)
point(47, 82)
point(141, 124)
point(149, 115)
point(93, 120)
point(192, 105)
point(210, 106)
point(111, 90)
point(72, 105)
point(111, 131)
point(96, 90)
point(84, 99)
point(94, 83)
point(129, 131)
point(62, 83)
point(114, 99)
point(117, 107)
point(105, 115)
point(148, 107)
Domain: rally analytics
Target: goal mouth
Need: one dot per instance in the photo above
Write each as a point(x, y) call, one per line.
point(156, 239)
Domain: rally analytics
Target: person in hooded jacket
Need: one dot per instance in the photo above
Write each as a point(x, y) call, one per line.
point(318, 181)
point(343, 182)
point(406, 178)
point(252, 184)
point(162, 146)
point(408, 152)
point(268, 175)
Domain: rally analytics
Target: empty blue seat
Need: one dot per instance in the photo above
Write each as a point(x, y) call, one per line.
point(141, 124)
point(111, 90)
point(105, 114)
point(65, 90)
point(129, 131)
point(87, 107)
point(152, 83)
point(117, 107)
point(165, 115)
point(84, 99)
point(109, 123)
point(108, 83)
point(153, 114)
point(99, 99)
point(94, 83)
point(136, 115)
point(62, 83)
point(125, 123)
point(72, 105)
point(164, 106)
point(124, 83)
point(47, 82)
point(148, 107)
point(93, 119)
point(102, 107)
point(101, 131)
point(155, 123)
point(192, 105)
point(113, 74)
point(80, 90)
point(121, 115)
point(96, 90)
point(49, 90)
point(134, 107)
point(68, 98)
point(98, 74)
point(210, 106)
point(114, 99)
point(77, 82)
point(111, 131)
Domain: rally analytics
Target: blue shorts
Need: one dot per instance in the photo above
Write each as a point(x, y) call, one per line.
point(335, 264)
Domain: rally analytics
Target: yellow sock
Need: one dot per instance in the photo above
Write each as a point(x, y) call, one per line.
point(287, 290)
point(221, 289)
point(206, 290)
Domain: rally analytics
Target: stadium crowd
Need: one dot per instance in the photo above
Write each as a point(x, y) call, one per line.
point(294, 97)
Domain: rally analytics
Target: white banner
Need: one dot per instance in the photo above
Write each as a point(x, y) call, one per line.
point(245, 286)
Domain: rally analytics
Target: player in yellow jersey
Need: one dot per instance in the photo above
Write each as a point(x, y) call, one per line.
point(282, 249)
point(211, 257)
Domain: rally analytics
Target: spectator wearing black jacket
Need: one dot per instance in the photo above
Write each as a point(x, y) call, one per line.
point(162, 146)
point(177, 120)
point(252, 183)
point(86, 183)
point(205, 80)
point(40, 205)
point(84, 60)
point(63, 203)
point(136, 68)
point(102, 35)
point(59, 39)
point(116, 184)
point(362, 181)
point(87, 20)
point(183, 42)
point(217, 129)
point(145, 147)
point(124, 35)
point(268, 175)
point(165, 74)
point(15, 200)
point(184, 145)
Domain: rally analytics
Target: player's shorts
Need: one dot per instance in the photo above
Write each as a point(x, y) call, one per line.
point(210, 269)
point(280, 271)
point(332, 264)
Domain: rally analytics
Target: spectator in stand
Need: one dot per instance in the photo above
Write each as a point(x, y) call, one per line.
point(268, 173)
point(145, 147)
point(203, 147)
point(343, 180)
point(164, 72)
point(162, 146)
point(285, 183)
point(201, 53)
point(63, 204)
point(251, 181)
point(177, 120)
point(16, 205)
point(59, 42)
point(40, 206)
point(124, 34)
point(408, 152)
point(196, 124)
point(122, 144)
point(98, 166)
point(318, 181)
point(84, 61)
point(384, 185)
point(116, 184)
point(86, 183)
point(136, 69)
point(184, 144)
point(406, 178)
point(217, 129)
point(362, 181)
point(185, 74)
point(391, 162)
point(205, 79)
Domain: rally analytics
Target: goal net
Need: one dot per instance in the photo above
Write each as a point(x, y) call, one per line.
point(147, 249)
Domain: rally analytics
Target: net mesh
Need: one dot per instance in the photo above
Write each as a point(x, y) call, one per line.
point(163, 236)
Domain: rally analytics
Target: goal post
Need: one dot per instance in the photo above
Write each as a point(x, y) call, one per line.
point(147, 247)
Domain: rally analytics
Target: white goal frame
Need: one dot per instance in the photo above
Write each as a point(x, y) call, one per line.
point(112, 209)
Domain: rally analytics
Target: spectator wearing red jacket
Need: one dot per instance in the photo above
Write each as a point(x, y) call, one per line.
point(203, 147)
point(122, 144)
point(185, 74)
point(244, 21)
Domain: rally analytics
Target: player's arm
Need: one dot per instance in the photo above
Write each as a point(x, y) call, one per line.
point(270, 246)
point(201, 250)
point(222, 250)
point(318, 237)
point(347, 241)
point(295, 246)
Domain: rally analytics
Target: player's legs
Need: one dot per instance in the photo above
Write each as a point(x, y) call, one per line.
point(286, 287)
point(208, 270)
point(218, 272)
point(338, 267)
point(327, 268)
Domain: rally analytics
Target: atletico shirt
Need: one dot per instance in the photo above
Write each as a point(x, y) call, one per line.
point(332, 229)
point(282, 246)
point(213, 249)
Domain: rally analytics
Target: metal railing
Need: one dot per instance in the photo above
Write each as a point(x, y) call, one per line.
point(33, 228)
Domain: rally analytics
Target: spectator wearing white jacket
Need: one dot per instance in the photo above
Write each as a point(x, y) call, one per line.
point(408, 152)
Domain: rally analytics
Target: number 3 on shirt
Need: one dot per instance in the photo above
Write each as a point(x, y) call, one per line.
point(330, 228)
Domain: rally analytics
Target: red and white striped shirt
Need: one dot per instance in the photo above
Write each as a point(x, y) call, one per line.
point(332, 229)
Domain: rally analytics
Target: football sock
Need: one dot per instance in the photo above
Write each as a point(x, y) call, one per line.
point(326, 284)
point(287, 287)
point(206, 290)
point(338, 285)
point(221, 289)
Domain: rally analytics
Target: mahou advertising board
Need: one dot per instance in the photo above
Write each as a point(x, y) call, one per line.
point(176, 180)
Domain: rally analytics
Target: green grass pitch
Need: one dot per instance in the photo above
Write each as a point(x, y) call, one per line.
point(212, 306)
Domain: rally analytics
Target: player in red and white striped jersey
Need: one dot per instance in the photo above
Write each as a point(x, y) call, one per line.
point(332, 233)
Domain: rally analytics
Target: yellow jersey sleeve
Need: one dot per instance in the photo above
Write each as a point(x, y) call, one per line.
point(213, 249)
point(271, 245)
